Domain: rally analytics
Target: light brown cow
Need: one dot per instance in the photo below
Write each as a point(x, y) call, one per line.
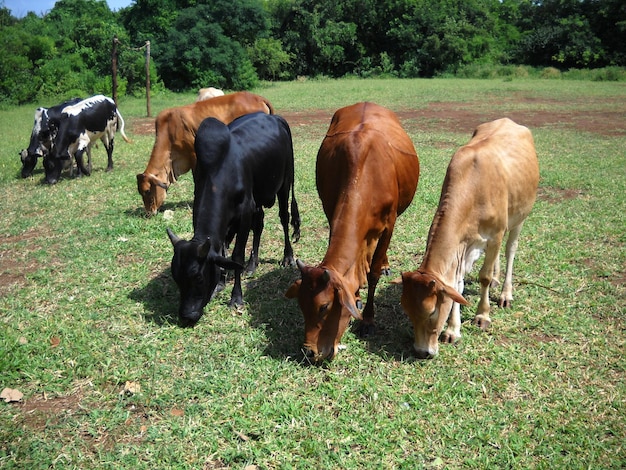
point(173, 153)
point(489, 189)
point(367, 172)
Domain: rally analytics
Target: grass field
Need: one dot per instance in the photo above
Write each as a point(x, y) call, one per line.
point(88, 308)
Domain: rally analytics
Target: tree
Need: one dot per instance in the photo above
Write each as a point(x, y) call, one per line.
point(198, 54)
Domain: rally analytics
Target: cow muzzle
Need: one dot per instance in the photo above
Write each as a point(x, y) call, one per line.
point(425, 353)
point(318, 356)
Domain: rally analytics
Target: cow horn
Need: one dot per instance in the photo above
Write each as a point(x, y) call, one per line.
point(300, 265)
point(203, 250)
point(326, 276)
point(173, 237)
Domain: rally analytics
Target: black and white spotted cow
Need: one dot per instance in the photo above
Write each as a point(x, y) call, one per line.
point(43, 135)
point(80, 126)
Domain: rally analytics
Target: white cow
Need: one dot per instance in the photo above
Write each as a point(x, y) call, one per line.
point(206, 93)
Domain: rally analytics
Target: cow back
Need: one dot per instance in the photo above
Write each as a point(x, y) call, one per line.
point(494, 177)
point(367, 153)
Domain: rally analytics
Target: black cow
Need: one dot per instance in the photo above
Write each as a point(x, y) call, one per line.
point(43, 135)
point(240, 169)
point(80, 126)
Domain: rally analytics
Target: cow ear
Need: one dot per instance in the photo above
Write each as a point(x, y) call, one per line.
point(346, 301)
point(225, 263)
point(156, 181)
point(293, 290)
point(453, 294)
point(173, 237)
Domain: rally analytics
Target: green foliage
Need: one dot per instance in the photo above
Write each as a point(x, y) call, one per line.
point(199, 54)
point(270, 59)
point(231, 44)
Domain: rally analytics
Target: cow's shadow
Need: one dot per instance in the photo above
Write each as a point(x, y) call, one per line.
point(139, 211)
point(283, 324)
point(280, 318)
point(159, 298)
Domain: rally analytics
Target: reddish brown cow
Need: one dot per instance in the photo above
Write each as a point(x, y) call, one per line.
point(367, 172)
point(173, 153)
point(489, 189)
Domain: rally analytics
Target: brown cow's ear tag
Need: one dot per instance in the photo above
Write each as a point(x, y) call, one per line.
point(293, 290)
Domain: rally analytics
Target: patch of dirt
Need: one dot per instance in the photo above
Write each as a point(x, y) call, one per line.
point(38, 411)
point(464, 117)
point(14, 266)
point(556, 195)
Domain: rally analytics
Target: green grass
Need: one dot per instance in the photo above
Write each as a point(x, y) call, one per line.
point(88, 304)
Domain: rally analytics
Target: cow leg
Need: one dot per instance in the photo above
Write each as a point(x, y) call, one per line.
point(506, 297)
point(89, 166)
point(482, 318)
point(495, 280)
point(258, 222)
point(109, 148)
point(239, 251)
point(385, 269)
point(283, 211)
point(367, 326)
point(80, 165)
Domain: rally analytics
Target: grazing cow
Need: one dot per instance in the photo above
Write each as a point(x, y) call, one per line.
point(173, 153)
point(80, 125)
point(489, 189)
point(241, 168)
point(42, 136)
point(207, 93)
point(367, 172)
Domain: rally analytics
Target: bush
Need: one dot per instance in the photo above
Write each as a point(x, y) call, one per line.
point(550, 72)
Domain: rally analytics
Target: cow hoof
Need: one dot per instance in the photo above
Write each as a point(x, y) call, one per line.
point(505, 303)
point(448, 337)
point(386, 271)
point(288, 261)
point(359, 304)
point(483, 322)
point(365, 330)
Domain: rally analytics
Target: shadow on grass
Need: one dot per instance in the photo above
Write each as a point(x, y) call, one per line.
point(140, 212)
point(159, 298)
point(282, 321)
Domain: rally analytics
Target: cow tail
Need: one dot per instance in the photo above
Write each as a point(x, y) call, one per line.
point(121, 128)
point(295, 213)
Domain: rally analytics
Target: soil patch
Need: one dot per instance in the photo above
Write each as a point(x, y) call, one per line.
point(464, 117)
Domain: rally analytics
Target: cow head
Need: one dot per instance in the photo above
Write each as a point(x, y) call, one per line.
point(196, 271)
point(427, 301)
point(327, 306)
point(29, 160)
point(53, 167)
point(153, 192)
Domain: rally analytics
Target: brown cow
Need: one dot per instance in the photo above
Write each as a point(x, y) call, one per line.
point(489, 188)
point(367, 172)
point(173, 153)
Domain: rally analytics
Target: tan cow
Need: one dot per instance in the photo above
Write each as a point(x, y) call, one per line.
point(173, 153)
point(367, 172)
point(489, 189)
